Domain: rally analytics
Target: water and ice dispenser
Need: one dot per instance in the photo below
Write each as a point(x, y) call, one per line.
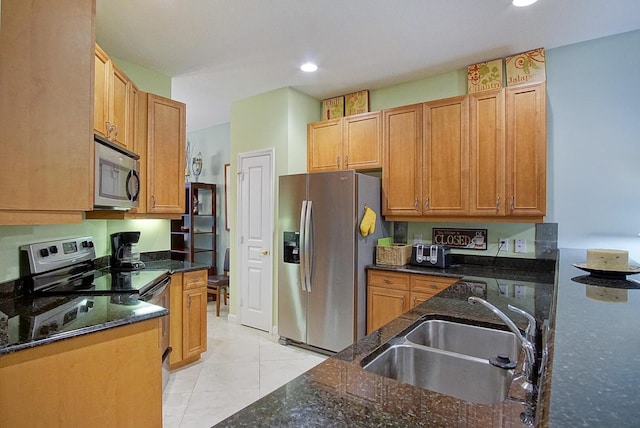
point(291, 247)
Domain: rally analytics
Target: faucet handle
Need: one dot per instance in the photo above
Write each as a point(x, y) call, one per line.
point(530, 332)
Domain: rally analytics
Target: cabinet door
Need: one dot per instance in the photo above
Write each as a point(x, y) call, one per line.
point(119, 106)
point(526, 150)
point(384, 305)
point(487, 182)
point(194, 319)
point(363, 141)
point(401, 172)
point(46, 75)
point(102, 83)
point(324, 145)
point(445, 167)
point(166, 139)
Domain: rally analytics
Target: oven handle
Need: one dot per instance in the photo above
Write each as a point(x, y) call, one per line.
point(156, 290)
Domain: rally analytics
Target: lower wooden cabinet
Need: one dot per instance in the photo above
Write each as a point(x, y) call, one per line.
point(188, 317)
point(390, 294)
point(110, 378)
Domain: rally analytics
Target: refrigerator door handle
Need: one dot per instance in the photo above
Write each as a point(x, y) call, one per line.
point(301, 271)
point(308, 244)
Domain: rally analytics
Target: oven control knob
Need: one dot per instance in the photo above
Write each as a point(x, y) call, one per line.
point(53, 249)
point(44, 252)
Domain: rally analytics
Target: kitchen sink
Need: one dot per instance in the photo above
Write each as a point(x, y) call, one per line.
point(462, 376)
point(449, 357)
point(465, 339)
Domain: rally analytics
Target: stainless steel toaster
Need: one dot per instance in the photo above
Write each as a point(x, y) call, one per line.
point(430, 255)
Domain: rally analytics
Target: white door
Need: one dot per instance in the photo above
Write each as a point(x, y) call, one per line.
point(255, 220)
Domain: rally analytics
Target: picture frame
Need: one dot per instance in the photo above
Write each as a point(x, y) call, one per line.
point(227, 168)
point(356, 103)
point(333, 108)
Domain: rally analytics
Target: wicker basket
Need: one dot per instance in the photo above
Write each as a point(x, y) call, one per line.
point(396, 255)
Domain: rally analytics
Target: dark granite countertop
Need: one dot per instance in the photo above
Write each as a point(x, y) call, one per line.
point(591, 378)
point(18, 312)
point(339, 393)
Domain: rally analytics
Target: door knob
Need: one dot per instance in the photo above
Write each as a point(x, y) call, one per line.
point(264, 252)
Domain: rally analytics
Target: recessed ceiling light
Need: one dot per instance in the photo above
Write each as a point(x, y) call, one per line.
point(521, 3)
point(308, 67)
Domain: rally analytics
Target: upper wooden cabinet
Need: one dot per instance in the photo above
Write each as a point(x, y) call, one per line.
point(402, 171)
point(114, 102)
point(46, 82)
point(445, 158)
point(426, 159)
point(526, 166)
point(478, 157)
point(351, 142)
point(166, 140)
point(487, 195)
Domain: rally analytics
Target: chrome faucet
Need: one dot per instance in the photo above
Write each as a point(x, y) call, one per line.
point(527, 343)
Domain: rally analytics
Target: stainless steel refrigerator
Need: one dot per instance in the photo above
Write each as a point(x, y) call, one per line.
point(321, 275)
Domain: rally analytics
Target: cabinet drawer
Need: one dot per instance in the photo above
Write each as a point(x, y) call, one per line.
point(430, 285)
point(194, 279)
point(386, 279)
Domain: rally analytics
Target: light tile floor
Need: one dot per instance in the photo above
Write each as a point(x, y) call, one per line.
point(241, 365)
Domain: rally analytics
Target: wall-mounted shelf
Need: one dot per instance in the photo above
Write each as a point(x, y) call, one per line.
point(193, 237)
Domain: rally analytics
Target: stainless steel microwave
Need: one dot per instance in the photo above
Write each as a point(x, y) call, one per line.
point(117, 180)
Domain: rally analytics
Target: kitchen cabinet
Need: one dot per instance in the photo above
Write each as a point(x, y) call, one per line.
point(480, 157)
point(401, 173)
point(487, 196)
point(188, 317)
point(526, 150)
point(445, 158)
point(390, 294)
point(193, 237)
point(46, 81)
point(88, 380)
point(160, 142)
point(114, 102)
point(426, 159)
point(351, 142)
point(166, 140)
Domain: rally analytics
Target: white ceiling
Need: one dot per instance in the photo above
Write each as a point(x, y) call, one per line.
point(218, 51)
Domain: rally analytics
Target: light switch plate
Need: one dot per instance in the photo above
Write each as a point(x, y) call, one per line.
point(521, 246)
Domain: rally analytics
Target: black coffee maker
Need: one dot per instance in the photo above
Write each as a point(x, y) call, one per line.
point(124, 253)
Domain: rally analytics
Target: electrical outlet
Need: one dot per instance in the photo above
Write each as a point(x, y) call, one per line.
point(521, 246)
point(503, 244)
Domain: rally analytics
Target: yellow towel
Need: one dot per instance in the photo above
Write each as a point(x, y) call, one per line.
point(368, 223)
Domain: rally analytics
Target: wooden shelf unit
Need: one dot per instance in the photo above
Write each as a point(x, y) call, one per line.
point(193, 236)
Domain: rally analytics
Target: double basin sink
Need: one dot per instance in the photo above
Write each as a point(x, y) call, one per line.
point(449, 357)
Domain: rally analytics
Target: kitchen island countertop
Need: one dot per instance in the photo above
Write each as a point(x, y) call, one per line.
point(591, 377)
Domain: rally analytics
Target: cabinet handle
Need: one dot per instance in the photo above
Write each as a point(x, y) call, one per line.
point(426, 204)
point(189, 302)
point(107, 124)
point(498, 204)
point(403, 301)
point(153, 201)
point(116, 134)
point(513, 203)
point(415, 204)
point(387, 281)
point(338, 161)
point(414, 302)
point(346, 161)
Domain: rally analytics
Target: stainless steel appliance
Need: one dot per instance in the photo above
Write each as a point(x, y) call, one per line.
point(63, 271)
point(124, 253)
point(321, 274)
point(431, 255)
point(117, 183)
